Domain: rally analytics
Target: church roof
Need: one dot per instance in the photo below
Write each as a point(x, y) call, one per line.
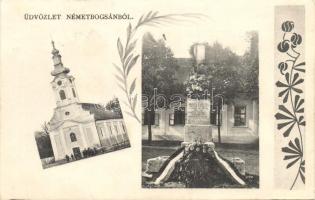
point(99, 111)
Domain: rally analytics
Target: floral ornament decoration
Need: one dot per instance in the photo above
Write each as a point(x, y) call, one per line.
point(290, 114)
point(128, 57)
point(196, 85)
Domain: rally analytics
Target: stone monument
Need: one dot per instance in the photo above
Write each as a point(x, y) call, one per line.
point(197, 126)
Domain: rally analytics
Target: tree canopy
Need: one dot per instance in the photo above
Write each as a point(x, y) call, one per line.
point(230, 74)
point(158, 68)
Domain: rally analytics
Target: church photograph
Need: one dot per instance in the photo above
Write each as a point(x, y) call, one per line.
point(78, 130)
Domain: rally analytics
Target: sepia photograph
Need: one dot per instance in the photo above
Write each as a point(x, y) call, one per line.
point(200, 113)
point(77, 130)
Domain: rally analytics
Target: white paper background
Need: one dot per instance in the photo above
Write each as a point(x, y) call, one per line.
point(89, 49)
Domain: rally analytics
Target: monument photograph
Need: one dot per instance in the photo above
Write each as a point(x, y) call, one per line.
point(200, 112)
point(78, 130)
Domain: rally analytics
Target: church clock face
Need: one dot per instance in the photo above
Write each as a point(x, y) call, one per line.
point(59, 82)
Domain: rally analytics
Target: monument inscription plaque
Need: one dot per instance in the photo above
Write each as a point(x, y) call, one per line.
point(197, 127)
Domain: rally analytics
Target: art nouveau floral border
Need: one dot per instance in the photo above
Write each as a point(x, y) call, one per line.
point(290, 114)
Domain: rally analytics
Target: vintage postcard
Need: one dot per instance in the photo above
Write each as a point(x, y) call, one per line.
point(157, 99)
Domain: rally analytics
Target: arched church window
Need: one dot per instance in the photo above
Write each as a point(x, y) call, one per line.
point(62, 94)
point(73, 92)
point(73, 138)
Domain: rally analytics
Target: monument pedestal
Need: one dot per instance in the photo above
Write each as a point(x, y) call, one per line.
point(197, 127)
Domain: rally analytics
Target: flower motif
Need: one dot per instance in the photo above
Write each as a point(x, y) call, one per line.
point(289, 86)
point(296, 39)
point(283, 67)
point(287, 26)
point(294, 152)
point(284, 46)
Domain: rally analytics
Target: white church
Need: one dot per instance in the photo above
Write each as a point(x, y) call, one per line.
point(77, 126)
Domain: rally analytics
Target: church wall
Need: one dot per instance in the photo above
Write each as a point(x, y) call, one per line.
point(91, 135)
point(112, 132)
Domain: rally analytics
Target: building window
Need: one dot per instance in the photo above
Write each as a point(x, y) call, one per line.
point(62, 94)
point(73, 138)
point(67, 113)
point(171, 122)
point(177, 118)
point(59, 83)
point(157, 119)
point(240, 116)
point(73, 92)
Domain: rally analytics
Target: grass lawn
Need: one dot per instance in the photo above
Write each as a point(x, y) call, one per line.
point(250, 156)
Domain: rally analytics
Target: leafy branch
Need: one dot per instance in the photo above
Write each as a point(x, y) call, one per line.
point(128, 58)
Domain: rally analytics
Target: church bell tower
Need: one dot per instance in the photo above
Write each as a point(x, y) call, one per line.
point(62, 84)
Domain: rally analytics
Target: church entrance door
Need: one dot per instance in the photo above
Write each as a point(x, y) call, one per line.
point(77, 153)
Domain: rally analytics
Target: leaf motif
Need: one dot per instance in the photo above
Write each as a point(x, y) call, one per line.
point(120, 48)
point(133, 86)
point(128, 59)
point(302, 176)
point(295, 77)
point(297, 90)
point(120, 79)
point(129, 28)
point(300, 70)
point(119, 70)
point(301, 119)
point(130, 47)
point(282, 116)
point(132, 63)
point(121, 87)
point(148, 16)
point(300, 64)
point(288, 131)
point(281, 125)
point(302, 123)
point(140, 20)
point(296, 148)
point(126, 104)
point(297, 144)
point(280, 84)
point(292, 162)
point(134, 103)
point(289, 157)
point(298, 82)
point(298, 103)
point(290, 151)
point(287, 75)
point(130, 114)
point(155, 14)
point(284, 109)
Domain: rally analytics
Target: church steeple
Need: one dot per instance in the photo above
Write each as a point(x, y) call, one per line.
point(63, 84)
point(58, 66)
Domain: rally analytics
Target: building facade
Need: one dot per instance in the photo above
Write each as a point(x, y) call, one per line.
point(238, 122)
point(77, 126)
